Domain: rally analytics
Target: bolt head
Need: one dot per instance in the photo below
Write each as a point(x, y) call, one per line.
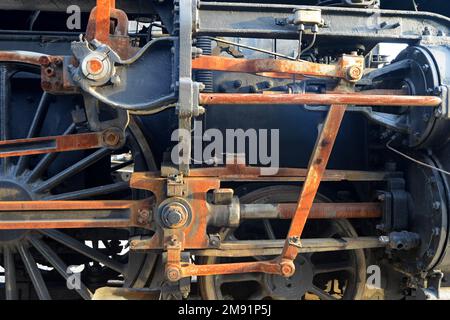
point(97, 67)
point(287, 268)
point(436, 205)
point(354, 73)
point(111, 138)
point(174, 217)
point(44, 61)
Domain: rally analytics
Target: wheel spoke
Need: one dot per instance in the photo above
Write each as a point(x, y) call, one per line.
point(72, 170)
point(84, 250)
point(34, 273)
point(58, 264)
point(34, 127)
point(91, 192)
point(322, 294)
point(332, 267)
point(47, 160)
point(10, 275)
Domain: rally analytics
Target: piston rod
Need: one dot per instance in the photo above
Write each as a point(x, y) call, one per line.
point(16, 215)
point(318, 211)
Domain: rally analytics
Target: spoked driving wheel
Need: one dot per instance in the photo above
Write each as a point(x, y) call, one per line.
point(322, 275)
point(40, 264)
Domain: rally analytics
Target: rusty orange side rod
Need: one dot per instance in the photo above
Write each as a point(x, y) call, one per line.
point(73, 142)
point(218, 63)
point(358, 99)
point(316, 168)
point(102, 19)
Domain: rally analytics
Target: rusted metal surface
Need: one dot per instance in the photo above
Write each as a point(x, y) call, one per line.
point(101, 27)
point(230, 268)
point(319, 99)
point(240, 172)
point(54, 77)
point(318, 211)
point(176, 270)
point(74, 214)
point(249, 248)
point(349, 67)
point(42, 145)
point(316, 169)
point(26, 57)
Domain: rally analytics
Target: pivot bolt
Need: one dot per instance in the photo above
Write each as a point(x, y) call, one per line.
point(173, 274)
point(44, 61)
point(287, 268)
point(111, 138)
point(174, 215)
point(96, 67)
point(354, 73)
point(143, 215)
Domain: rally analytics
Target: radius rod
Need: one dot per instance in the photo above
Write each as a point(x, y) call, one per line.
point(109, 138)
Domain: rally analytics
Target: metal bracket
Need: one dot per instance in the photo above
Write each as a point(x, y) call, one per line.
point(175, 186)
point(188, 97)
point(118, 86)
point(295, 241)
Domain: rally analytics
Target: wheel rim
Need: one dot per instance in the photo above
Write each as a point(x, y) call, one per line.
point(324, 276)
point(35, 263)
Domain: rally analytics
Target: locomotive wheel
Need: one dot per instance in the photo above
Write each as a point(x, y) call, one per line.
point(323, 275)
point(36, 264)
